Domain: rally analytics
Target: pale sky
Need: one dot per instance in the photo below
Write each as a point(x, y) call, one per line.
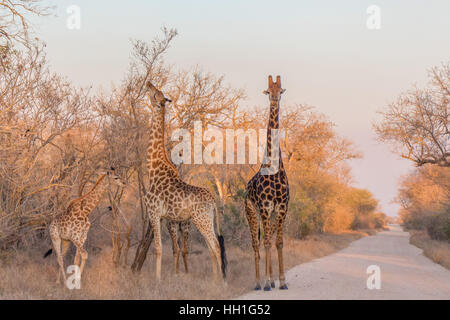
point(323, 51)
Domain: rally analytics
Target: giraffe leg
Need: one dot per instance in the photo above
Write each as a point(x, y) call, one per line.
point(279, 244)
point(213, 259)
point(185, 229)
point(65, 245)
point(76, 261)
point(57, 245)
point(252, 219)
point(205, 224)
point(172, 227)
point(84, 256)
point(155, 221)
point(79, 243)
point(272, 278)
point(267, 246)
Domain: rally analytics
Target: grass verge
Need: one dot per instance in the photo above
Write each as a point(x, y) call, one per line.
point(26, 275)
point(438, 251)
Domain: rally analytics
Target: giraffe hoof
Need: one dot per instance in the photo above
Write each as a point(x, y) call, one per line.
point(272, 284)
point(267, 287)
point(284, 287)
point(258, 287)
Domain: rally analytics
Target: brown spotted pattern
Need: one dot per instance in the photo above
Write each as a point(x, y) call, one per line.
point(268, 197)
point(171, 198)
point(73, 224)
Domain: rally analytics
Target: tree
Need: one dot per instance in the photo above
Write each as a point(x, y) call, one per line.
point(38, 110)
point(424, 196)
point(417, 124)
point(14, 21)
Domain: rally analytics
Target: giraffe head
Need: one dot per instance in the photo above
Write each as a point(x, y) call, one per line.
point(274, 91)
point(157, 98)
point(113, 178)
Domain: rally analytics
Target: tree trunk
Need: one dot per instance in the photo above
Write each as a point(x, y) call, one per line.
point(142, 249)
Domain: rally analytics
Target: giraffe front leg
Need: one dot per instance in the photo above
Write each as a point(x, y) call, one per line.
point(156, 225)
point(76, 260)
point(172, 227)
point(267, 247)
point(79, 243)
point(84, 256)
point(252, 219)
point(185, 229)
point(271, 277)
point(57, 245)
point(279, 244)
point(65, 245)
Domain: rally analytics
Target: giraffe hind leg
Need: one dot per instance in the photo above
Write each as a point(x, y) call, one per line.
point(206, 228)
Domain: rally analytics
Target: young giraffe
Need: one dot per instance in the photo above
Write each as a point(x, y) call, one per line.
point(171, 198)
point(73, 224)
point(268, 195)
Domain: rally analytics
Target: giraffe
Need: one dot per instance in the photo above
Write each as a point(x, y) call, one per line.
point(184, 227)
point(268, 196)
point(73, 224)
point(169, 197)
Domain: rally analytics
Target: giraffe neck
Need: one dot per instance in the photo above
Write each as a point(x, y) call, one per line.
point(273, 124)
point(93, 197)
point(156, 153)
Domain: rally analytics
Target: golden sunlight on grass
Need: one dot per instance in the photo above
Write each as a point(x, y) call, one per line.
point(438, 251)
point(25, 275)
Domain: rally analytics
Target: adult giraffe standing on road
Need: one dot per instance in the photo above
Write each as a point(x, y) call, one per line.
point(268, 196)
point(171, 198)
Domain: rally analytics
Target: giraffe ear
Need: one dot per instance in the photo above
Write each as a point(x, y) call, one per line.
point(150, 85)
point(283, 90)
point(266, 92)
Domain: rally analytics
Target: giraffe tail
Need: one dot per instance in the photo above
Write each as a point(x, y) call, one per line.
point(49, 252)
point(220, 238)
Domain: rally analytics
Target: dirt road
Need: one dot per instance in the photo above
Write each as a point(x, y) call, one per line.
point(404, 273)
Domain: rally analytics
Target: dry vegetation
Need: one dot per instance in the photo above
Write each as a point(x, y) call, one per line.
point(417, 125)
point(55, 138)
point(438, 251)
point(26, 275)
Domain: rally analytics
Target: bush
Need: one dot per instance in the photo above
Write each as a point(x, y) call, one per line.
point(438, 226)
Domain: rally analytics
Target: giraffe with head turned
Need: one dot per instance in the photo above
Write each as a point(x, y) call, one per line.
point(169, 197)
point(73, 224)
point(268, 196)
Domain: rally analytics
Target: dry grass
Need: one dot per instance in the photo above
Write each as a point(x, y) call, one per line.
point(438, 251)
point(26, 275)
